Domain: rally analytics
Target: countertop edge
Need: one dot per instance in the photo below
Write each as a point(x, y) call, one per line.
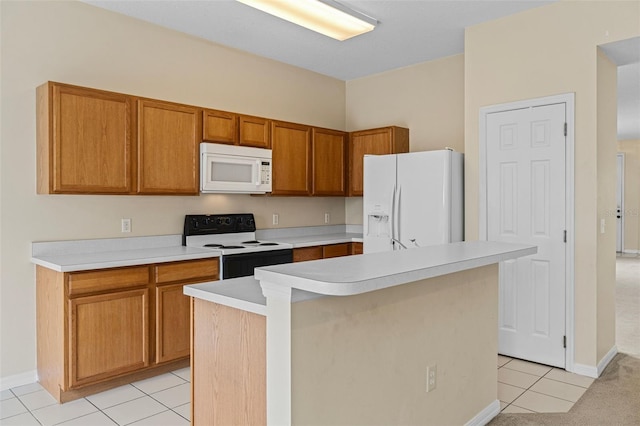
point(232, 302)
point(119, 263)
point(389, 280)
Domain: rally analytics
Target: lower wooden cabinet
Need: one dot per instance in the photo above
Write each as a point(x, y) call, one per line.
point(356, 248)
point(109, 335)
point(101, 329)
point(303, 254)
point(172, 323)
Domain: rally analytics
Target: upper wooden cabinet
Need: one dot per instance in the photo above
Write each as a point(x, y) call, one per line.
point(169, 138)
point(329, 153)
point(219, 127)
point(84, 140)
point(254, 131)
point(291, 145)
point(96, 142)
point(385, 140)
point(235, 129)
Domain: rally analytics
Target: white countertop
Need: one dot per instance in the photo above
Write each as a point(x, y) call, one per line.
point(320, 239)
point(83, 255)
point(242, 293)
point(351, 275)
point(72, 262)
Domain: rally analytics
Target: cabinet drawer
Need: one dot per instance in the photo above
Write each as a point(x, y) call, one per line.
point(307, 253)
point(356, 248)
point(191, 270)
point(335, 250)
point(107, 280)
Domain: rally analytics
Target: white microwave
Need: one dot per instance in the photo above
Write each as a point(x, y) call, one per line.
point(234, 169)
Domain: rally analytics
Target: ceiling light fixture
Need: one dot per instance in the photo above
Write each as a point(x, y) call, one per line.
point(326, 17)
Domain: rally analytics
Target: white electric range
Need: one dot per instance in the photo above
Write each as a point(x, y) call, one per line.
point(234, 236)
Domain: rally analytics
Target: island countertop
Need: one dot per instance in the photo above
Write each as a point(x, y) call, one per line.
point(350, 275)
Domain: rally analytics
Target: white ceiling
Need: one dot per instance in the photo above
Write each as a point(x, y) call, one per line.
point(409, 32)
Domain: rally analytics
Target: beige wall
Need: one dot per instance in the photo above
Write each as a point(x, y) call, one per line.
point(75, 43)
point(350, 365)
point(541, 52)
point(607, 77)
point(428, 98)
point(631, 149)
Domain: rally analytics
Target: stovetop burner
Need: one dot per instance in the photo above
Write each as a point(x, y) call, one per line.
point(231, 234)
point(222, 246)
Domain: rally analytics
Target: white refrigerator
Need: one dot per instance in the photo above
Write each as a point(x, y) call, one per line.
point(412, 200)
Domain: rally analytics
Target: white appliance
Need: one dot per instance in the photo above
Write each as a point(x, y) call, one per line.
point(234, 236)
point(234, 169)
point(412, 200)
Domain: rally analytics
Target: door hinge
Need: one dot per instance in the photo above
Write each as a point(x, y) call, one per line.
point(565, 236)
point(564, 341)
point(565, 129)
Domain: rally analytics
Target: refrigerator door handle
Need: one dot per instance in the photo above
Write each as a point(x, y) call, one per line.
point(392, 217)
point(396, 216)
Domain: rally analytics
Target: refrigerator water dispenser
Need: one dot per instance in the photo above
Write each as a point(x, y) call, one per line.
point(378, 225)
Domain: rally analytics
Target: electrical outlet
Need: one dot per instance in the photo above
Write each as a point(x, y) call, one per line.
point(327, 217)
point(276, 218)
point(125, 225)
point(432, 374)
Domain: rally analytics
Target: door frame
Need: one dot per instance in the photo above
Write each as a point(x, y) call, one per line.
point(620, 187)
point(569, 100)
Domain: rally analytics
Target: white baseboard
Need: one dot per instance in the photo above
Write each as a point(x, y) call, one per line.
point(486, 415)
point(595, 371)
point(607, 359)
point(585, 370)
point(629, 251)
point(18, 380)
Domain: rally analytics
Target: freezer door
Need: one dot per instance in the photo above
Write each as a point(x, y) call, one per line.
point(378, 202)
point(424, 198)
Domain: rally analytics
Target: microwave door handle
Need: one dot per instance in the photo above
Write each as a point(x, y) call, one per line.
point(257, 172)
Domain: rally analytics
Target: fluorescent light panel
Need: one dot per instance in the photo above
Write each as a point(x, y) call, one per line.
point(323, 16)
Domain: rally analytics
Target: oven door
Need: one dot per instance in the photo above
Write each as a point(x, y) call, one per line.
point(243, 264)
point(235, 174)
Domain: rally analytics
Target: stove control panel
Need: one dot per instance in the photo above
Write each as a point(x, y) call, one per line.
point(211, 224)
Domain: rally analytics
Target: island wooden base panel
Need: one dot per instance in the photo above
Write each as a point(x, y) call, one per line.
point(228, 370)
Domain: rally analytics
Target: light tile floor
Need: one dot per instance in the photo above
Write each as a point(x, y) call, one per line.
point(526, 387)
point(523, 387)
point(163, 400)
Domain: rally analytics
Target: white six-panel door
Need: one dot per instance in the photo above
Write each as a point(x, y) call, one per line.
point(525, 155)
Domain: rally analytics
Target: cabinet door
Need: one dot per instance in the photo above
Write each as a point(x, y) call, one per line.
point(291, 145)
point(329, 162)
point(168, 148)
point(108, 335)
point(172, 323)
point(335, 250)
point(254, 131)
point(386, 140)
point(307, 253)
point(84, 140)
point(220, 127)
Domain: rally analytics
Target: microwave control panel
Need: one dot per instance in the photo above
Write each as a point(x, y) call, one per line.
point(265, 172)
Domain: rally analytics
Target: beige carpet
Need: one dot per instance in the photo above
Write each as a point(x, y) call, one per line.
point(613, 399)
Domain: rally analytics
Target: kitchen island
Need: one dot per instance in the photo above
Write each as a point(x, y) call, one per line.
point(349, 340)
